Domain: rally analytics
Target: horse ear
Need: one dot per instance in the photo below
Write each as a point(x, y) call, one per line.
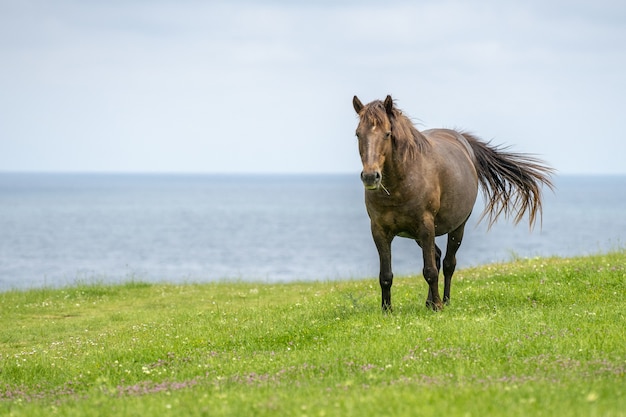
point(358, 106)
point(389, 105)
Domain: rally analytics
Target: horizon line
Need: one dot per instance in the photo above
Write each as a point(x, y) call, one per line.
point(247, 173)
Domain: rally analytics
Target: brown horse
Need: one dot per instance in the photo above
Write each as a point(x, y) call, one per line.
point(420, 185)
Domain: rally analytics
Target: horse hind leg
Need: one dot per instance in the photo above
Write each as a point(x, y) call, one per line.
point(449, 261)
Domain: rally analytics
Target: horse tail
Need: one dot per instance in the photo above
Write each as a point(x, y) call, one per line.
point(511, 182)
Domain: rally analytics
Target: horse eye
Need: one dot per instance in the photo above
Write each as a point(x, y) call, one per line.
point(388, 134)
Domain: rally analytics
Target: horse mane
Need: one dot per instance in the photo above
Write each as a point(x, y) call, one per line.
point(407, 140)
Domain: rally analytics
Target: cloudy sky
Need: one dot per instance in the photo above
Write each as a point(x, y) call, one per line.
point(266, 86)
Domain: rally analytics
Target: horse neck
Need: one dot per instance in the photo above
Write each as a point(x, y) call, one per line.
point(407, 155)
point(398, 167)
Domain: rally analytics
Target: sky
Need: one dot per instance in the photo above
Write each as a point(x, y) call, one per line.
point(266, 86)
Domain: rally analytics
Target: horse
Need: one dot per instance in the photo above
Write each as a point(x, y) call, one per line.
point(419, 185)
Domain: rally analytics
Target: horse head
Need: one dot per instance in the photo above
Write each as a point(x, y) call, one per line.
point(375, 138)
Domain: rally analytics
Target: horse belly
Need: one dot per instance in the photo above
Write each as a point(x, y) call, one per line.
point(406, 235)
point(455, 210)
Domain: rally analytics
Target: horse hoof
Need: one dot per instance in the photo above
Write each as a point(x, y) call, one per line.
point(434, 306)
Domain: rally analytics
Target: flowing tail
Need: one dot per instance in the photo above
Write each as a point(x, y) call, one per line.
point(511, 182)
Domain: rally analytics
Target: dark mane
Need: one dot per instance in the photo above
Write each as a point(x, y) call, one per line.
point(407, 139)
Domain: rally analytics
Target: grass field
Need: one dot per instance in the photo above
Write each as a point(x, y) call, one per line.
point(527, 338)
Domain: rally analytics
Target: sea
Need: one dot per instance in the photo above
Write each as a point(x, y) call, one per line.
point(64, 229)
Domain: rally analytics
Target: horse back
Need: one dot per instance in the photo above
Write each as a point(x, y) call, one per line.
point(449, 142)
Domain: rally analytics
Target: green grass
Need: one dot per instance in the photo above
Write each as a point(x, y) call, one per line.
point(531, 337)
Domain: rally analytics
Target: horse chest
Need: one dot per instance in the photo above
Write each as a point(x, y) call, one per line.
point(398, 219)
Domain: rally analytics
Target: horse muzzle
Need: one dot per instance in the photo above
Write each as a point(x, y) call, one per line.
point(371, 179)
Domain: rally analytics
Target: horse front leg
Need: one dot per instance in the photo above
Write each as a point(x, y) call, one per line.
point(385, 277)
point(431, 266)
point(438, 264)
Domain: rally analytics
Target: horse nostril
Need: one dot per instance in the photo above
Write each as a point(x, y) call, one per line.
point(370, 178)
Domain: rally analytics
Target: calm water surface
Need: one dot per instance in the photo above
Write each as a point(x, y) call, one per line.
point(57, 229)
